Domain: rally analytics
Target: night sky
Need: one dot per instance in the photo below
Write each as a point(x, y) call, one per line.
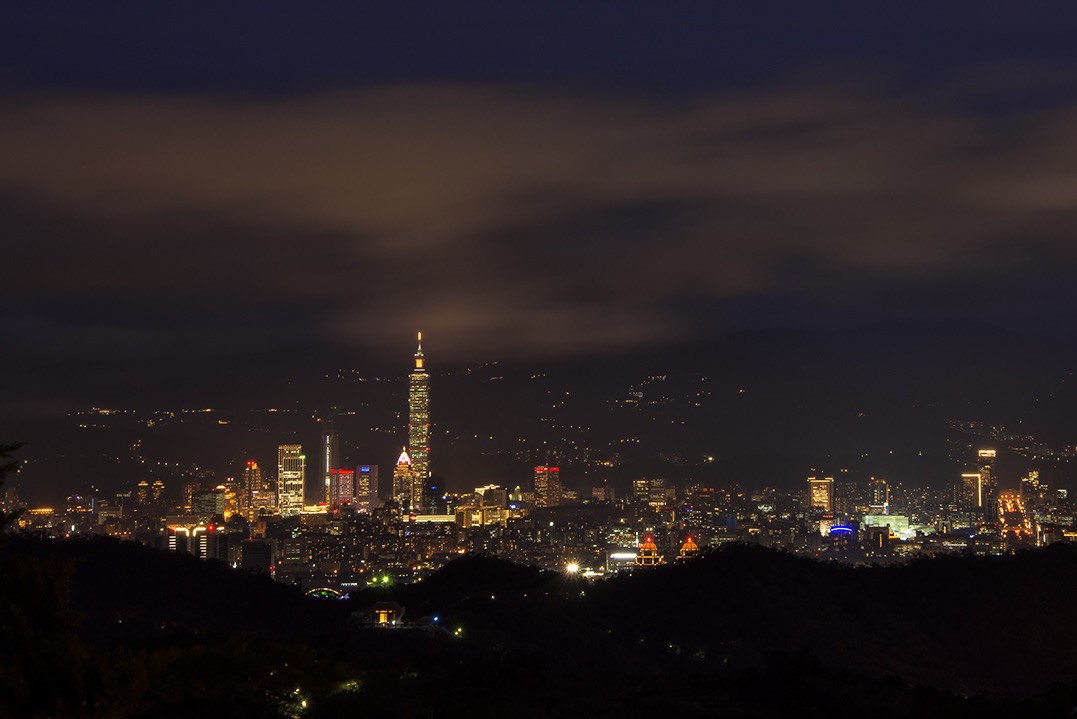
point(520, 180)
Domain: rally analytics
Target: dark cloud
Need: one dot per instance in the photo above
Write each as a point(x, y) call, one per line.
point(508, 219)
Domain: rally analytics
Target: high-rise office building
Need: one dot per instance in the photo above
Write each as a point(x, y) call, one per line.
point(433, 496)
point(547, 486)
point(291, 474)
point(366, 487)
point(971, 489)
point(189, 490)
point(419, 416)
point(845, 496)
point(405, 484)
point(209, 504)
point(604, 493)
point(821, 494)
point(341, 488)
point(641, 489)
point(661, 493)
point(263, 501)
point(988, 483)
point(249, 487)
point(879, 494)
point(980, 487)
point(232, 492)
point(1032, 490)
point(330, 454)
point(259, 489)
point(492, 495)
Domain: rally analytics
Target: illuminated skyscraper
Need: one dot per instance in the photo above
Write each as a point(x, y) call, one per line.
point(330, 453)
point(1015, 526)
point(821, 494)
point(879, 496)
point(1032, 490)
point(641, 489)
point(366, 487)
point(189, 490)
point(210, 503)
point(972, 491)
point(419, 416)
point(988, 483)
point(341, 488)
point(661, 493)
point(260, 491)
point(845, 496)
point(406, 485)
point(980, 488)
point(547, 486)
point(248, 488)
point(291, 474)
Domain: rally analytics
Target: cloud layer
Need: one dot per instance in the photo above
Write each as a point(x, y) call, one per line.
point(511, 220)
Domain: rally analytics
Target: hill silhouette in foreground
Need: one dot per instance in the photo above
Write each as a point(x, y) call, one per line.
point(100, 628)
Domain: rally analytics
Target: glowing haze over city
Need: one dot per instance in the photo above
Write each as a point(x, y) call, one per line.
point(564, 359)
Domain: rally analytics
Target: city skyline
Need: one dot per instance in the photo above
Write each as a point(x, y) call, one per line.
point(584, 358)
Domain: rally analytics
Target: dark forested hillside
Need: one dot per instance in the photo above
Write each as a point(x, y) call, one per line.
point(109, 629)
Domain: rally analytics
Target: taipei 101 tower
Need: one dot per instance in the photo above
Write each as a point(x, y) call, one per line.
point(419, 417)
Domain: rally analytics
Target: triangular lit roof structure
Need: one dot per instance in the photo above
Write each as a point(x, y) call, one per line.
point(689, 549)
point(648, 555)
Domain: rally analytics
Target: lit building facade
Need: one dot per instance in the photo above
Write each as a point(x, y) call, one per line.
point(821, 494)
point(330, 454)
point(211, 503)
point(366, 487)
point(419, 416)
point(647, 555)
point(250, 486)
point(988, 483)
point(641, 489)
point(341, 488)
point(979, 488)
point(876, 499)
point(971, 489)
point(689, 550)
point(291, 476)
point(406, 486)
point(878, 493)
point(547, 486)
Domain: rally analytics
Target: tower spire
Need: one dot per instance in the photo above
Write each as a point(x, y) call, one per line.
point(419, 425)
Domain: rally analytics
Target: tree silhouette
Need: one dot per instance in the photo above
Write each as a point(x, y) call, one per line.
point(7, 464)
